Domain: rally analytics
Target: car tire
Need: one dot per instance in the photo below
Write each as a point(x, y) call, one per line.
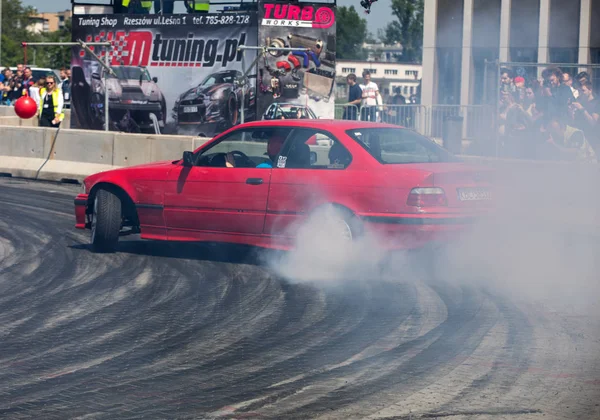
point(345, 223)
point(97, 117)
point(232, 111)
point(106, 221)
point(164, 112)
point(338, 222)
point(81, 95)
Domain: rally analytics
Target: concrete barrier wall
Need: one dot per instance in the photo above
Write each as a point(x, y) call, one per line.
point(48, 154)
point(9, 118)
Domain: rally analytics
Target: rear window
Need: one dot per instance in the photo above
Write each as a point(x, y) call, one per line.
point(399, 145)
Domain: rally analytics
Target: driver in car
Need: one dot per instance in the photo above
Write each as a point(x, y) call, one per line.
point(273, 149)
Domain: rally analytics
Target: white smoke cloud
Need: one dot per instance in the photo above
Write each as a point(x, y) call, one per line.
point(539, 245)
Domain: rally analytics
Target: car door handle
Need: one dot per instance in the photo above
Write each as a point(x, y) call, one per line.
point(254, 181)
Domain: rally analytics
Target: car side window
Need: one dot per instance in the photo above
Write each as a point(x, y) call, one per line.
point(245, 148)
point(315, 149)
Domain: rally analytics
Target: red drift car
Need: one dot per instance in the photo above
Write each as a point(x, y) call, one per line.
point(258, 182)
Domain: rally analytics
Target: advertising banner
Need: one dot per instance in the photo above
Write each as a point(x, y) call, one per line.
point(296, 84)
point(175, 74)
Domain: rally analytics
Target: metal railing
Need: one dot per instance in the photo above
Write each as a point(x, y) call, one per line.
point(477, 120)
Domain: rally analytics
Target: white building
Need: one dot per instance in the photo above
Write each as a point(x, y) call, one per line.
point(383, 52)
point(387, 75)
point(459, 35)
point(37, 24)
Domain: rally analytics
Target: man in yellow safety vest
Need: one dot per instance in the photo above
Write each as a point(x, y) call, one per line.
point(197, 6)
point(137, 6)
point(50, 111)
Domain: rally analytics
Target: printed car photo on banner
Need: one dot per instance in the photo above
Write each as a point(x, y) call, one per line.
point(297, 84)
point(175, 74)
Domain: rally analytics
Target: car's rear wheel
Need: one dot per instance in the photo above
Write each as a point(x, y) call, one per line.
point(232, 111)
point(106, 221)
point(345, 224)
point(334, 223)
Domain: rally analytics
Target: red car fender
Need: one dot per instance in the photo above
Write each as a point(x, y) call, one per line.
point(343, 203)
point(109, 180)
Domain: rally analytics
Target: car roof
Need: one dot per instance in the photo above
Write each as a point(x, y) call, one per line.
point(226, 71)
point(32, 68)
point(289, 103)
point(319, 123)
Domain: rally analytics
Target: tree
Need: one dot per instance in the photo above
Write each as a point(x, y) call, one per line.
point(15, 18)
point(351, 32)
point(55, 57)
point(407, 30)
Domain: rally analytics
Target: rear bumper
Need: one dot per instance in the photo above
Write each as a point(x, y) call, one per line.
point(418, 231)
point(80, 211)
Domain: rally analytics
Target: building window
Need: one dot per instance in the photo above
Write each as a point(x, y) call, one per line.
point(391, 72)
point(348, 70)
point(414, 73)
point(372, 71)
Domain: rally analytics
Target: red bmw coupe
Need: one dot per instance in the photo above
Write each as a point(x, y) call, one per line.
point(258, 182)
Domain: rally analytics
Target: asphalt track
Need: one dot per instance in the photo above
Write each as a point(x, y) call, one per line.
point(159, 331)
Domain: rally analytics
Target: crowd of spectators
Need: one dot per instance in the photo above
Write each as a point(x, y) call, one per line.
point(555, 118)
point(21, 82)
point(365, 102)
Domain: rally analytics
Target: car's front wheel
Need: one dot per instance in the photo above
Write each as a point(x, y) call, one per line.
point(106, 221)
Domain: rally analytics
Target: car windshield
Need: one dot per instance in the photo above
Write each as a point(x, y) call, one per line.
point(400, 145)
point(218, 78)
point(41, 73)
point(290, 111)
point(131, 73)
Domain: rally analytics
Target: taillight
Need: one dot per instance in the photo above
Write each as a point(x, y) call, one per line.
point(427, 197)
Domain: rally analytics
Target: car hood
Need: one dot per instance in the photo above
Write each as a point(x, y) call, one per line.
point(149, 165)
point(122, 176)
point(207, 91)
point(128, 169)
point(133, 88)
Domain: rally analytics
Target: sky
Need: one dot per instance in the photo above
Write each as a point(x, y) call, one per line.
point(379, 17)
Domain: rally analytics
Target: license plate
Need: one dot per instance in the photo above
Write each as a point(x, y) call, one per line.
point(474, 194)
point(190, 109)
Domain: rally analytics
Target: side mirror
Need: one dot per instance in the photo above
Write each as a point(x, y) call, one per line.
point(155, 79)
point(313, 158)
point(188, 158)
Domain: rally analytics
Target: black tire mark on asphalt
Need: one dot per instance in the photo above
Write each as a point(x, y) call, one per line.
point(508, 367)
point(459, 335)
point(211, 327)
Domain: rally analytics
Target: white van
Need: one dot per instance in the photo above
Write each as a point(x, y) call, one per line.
point(40, 71)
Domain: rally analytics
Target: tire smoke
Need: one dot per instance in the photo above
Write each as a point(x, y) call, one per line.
point(538, 246)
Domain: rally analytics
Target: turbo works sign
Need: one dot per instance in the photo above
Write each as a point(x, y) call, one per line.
point(295, 16)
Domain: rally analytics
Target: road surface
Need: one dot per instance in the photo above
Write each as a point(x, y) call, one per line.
point(206, 332)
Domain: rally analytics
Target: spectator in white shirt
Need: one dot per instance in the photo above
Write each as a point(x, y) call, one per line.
point(371, 98)
point(34, 91)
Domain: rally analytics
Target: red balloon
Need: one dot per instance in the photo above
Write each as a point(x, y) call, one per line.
point(25, 107)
